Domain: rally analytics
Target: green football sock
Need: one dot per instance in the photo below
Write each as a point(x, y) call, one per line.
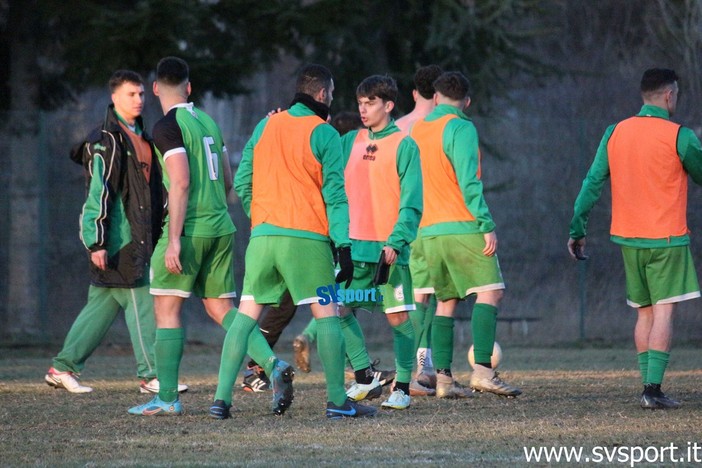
point(260, 351)
point(169, 351)
point(403, 344)
point(228, 319)
point(310, 331)
point(657, 363)
point(417, 319)
point(442, 341)
point(233, 352)
point(355, 342)
point(483, 325)
point(425, 340)
point(330, 348)
point(643, 366)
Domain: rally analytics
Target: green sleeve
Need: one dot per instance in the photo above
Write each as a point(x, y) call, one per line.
point(410, 172)
point(243, 180)
point(102, 192)
point(461, 147)
point(326, 146)
point(591, 189)
point(690, 153)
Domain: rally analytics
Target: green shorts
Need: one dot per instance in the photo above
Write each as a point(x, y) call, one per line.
point(275, 264)
point(458, 268)
point(395, 296)
point(418, 268)
point(208, 268)
point(659, 276)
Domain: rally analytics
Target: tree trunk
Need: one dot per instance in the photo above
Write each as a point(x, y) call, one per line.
point(26, 289)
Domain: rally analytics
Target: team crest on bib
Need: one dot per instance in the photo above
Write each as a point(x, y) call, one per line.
point(399, 293)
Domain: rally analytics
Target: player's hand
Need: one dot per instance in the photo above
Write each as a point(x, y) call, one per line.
point(172, 257)
point(390, 255)
point(99, 259)
point(490, 244)
point(345, 265)
point(576, 248)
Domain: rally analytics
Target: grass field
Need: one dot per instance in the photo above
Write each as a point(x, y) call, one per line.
point(572, 398)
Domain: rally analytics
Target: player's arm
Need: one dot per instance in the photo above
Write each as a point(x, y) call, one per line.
point(690, 153)
point(226, 171)
point(591, 189)
point(410, 172)
point(464, 155)
point(590, 192)
point(326, 146)
point(179, 175)
point(168, 139)
point(104, 168)
point(243, 180)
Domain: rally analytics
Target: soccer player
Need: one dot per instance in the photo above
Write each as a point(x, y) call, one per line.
point(194, 254)
point(384, 187)
point(459, 237)
point(343, 122)
point(119, 225)
point(424, 381)
point(647, 158)
point(290, 183)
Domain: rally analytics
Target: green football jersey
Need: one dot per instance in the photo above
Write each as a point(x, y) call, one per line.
point(186, 128)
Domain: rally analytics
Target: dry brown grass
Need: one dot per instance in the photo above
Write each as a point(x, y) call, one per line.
point(572, 397)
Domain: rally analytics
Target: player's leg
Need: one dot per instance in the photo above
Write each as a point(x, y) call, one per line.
point(398, 303)
point(216, 285)
point(274, 321)
point(422, 318)
point(234, 348)
point(442, 331)
point(262, 284)
point(277, 318)
point(85, 335)
point(442, 250)
point(139, 315)
point(366, 386)
point(662, 277)
point(483, 325)
point(642, 331)
point(317, 260)
point(424, 383)
point(169, 291)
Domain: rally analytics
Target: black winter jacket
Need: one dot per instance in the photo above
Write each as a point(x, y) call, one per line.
point(123, 212)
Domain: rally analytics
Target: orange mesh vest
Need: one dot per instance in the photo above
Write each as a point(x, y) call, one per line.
point(649, 184)
point(287, 178)
point(373, 186)
point(443, 200)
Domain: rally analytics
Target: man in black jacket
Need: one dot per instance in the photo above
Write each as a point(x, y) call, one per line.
point(119, 225)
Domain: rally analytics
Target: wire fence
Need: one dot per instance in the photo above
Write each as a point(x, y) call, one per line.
point(532, 169)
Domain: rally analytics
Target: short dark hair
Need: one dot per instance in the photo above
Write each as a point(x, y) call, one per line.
point(120, 77)
point(312, 79)
point(381, 86)
point(424, 80)
point(454, 85)
point(346, 121)
point(654, 79)
point(172, 71)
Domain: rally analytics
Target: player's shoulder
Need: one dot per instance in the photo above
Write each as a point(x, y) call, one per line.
point(166, 123)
